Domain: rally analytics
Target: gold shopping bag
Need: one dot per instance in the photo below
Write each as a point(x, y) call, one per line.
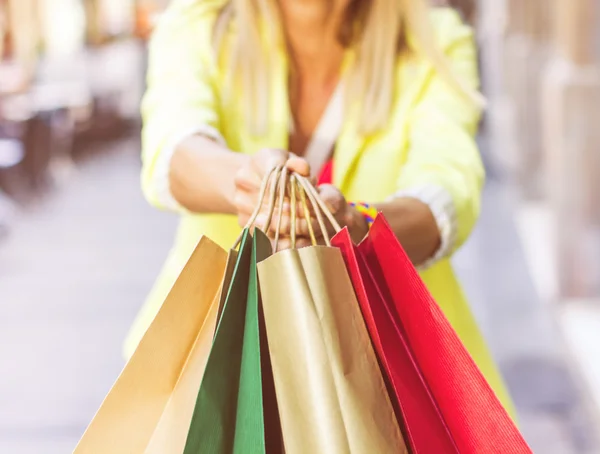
point(330, 391)
point(147, 407)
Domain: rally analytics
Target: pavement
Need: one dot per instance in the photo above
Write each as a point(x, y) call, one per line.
point(77, 266)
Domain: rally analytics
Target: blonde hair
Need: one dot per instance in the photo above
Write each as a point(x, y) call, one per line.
point(368, 29)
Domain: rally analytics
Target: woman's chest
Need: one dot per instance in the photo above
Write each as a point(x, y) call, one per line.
point(365, 164)
point(309, 104)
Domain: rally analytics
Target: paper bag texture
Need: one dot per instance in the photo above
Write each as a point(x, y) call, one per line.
point(171, 432)
point(131, 411)
point(331, 394)
point(476, 419)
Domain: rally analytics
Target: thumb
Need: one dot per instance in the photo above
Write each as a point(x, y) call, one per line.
point(269, 158)
point(298, 165)
point(332, 197)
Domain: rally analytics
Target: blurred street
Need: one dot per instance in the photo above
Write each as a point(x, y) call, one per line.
point(75, 269)
point(80, 247)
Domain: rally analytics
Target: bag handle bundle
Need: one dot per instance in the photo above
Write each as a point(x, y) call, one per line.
point(281, 183)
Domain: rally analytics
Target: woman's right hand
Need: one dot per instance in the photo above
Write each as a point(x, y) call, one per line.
point(250, 176)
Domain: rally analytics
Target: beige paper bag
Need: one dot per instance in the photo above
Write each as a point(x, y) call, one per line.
point(330, 391)
point(133, 409)
point(171, 432)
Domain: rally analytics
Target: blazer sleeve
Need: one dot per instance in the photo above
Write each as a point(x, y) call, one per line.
point(181, 96)
point(444, 167)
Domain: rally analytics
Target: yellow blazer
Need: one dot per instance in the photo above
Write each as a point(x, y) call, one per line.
point(429, 140)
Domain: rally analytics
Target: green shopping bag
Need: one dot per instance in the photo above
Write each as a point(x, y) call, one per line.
point(233, 402)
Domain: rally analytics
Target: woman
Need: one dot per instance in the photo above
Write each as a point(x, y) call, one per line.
point(376, 98)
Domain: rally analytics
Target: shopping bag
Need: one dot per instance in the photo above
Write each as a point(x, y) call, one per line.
point(130, 413)
point(330, 391)
point(229, 269)
point(423, 425)
point(476, 419)
point(170, 434)
point(229, 413)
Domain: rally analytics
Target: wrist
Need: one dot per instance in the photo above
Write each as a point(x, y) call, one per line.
point(357, 224)
point(228, 189)
point(201, 175)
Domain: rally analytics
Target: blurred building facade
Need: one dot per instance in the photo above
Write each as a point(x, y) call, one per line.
point(71, 72)
point(541, 74)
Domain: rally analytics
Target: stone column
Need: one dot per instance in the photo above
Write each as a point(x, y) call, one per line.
point(571, 108)
point(492, 22)
point(525, 59)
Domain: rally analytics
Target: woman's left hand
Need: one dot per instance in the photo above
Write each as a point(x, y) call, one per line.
point(345, 214)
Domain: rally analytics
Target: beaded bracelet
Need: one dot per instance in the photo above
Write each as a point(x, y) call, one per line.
point(368, 212)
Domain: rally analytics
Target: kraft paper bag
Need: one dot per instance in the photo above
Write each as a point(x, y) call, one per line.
point(330, 391)
point(171, 432)
point(172, 429)
point(229, 414)
point(132, 410)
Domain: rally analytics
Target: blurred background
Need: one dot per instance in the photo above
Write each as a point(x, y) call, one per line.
point(79, 247)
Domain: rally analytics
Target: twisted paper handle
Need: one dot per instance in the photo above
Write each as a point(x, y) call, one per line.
point(273, 174)
point(282, 183)
point(319, 207)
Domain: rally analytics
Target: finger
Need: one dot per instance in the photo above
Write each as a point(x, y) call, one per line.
point(269, 158)
point(304, 203)
point(301, 213)
point(245, 206)
point(248, 200)
point(311, 179)
point(286, 243)
point(265, 213)
point(303, 242)
point(246, 179)
point(283, 244)
point(298, 165)
point(333, 198)
point(281, 223)
point(303, 230)
point(272, 223)
point(243, 220)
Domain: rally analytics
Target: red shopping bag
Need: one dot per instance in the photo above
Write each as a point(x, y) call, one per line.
point(424, 427)
point(476, 419)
